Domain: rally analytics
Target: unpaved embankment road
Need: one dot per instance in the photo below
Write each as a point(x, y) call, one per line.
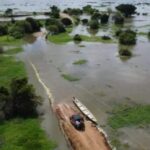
point(90, 139)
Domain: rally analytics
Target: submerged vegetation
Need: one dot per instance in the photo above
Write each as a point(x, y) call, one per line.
point(124, 116)
point(69, 77)
point(80, 62)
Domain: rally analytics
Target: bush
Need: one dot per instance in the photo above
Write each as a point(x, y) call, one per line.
point(125, 52)
point(73, 11)
point(118, 32)
point(85, 21)
point(96, 16)
point(126, 9)
point(77, 38)
point(127, 37)
point(3, 30)
point(56, 23)
point(104, 18)
point(89, 10)
point(149, 34)
point(21, 101)
point(118, 18)
point(35, 24)
point(54, 12)
point(66, 21)
point(53, 29)
point(16, 31)
point(94, 24)
point(105, 37)
point(1, 50)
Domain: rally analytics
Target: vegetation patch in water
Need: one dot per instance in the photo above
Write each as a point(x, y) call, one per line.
point(69, 77)
point(80, 62)
point(129, 116)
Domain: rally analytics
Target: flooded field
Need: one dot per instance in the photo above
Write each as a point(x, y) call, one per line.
point(105, 80)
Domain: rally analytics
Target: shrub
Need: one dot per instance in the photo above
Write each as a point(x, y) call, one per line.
point(94, 24)
point(125, 52)
point(105, 37)
point(3, 30)
point(126, 9)
point(54, 12)
point(35, 24)
point(118, 18)
point(104, 18)
point(149, 34)
point(16, 31)
point(53, 29)
point(89, 10)
point(77, 38)
point(127, 37)
point(66, 21)
point(96, 16)
point(73, 11)
point(1, 50)
point(118, 32)
point(85, 21)
point(54, 22)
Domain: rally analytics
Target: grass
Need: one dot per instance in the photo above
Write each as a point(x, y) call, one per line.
point(69, 77)
point(80, 62)
point(63, 38)
point(8, 40)
point(19, 134)
point(130, 116)
point(10, 68)
point(13, 51)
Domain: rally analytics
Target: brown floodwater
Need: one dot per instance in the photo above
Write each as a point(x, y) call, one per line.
point(105, 80)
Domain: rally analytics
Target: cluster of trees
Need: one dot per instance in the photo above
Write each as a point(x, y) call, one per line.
point(73, 11)
point(77, 38)
point(124, 52)
point(55, 12)
point(20, 28)
point(55, 26)
point(19, 100)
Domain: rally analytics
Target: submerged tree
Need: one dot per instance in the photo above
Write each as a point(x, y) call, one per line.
point(127, 9)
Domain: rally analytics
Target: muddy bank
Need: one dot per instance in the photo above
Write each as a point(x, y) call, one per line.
point(88, 139)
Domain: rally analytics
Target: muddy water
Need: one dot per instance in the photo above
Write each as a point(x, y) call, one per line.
point(105, 79)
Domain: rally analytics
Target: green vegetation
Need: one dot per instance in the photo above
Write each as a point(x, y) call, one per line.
point(94, 24)
point(126, 9)
point(13, 51)
point(77, 38)
point(19, 134)
point(130, 116)
point(127, 37)
point(73, 11)
point(54, 11)
point(80, 62)
point(10, 68)
point(125, 53)
point(9, 40)
point(60, 38)
point(69, 77)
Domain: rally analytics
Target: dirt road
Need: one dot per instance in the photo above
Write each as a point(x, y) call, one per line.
point(89, 139)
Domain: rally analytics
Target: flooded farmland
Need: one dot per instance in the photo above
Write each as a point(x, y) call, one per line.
point(103, 81)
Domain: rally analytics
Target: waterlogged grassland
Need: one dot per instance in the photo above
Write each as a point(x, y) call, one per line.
point(80, 62)
point(8, 40)
point(19, 134)
point(10, 68)
point(13, 51)
point(69, 77)
point(124, 116)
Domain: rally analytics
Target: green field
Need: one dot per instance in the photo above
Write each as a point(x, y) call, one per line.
point(80, 62)
point(124, 116)
point(19, 134)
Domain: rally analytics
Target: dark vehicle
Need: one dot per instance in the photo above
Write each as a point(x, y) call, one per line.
point(77, 121)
